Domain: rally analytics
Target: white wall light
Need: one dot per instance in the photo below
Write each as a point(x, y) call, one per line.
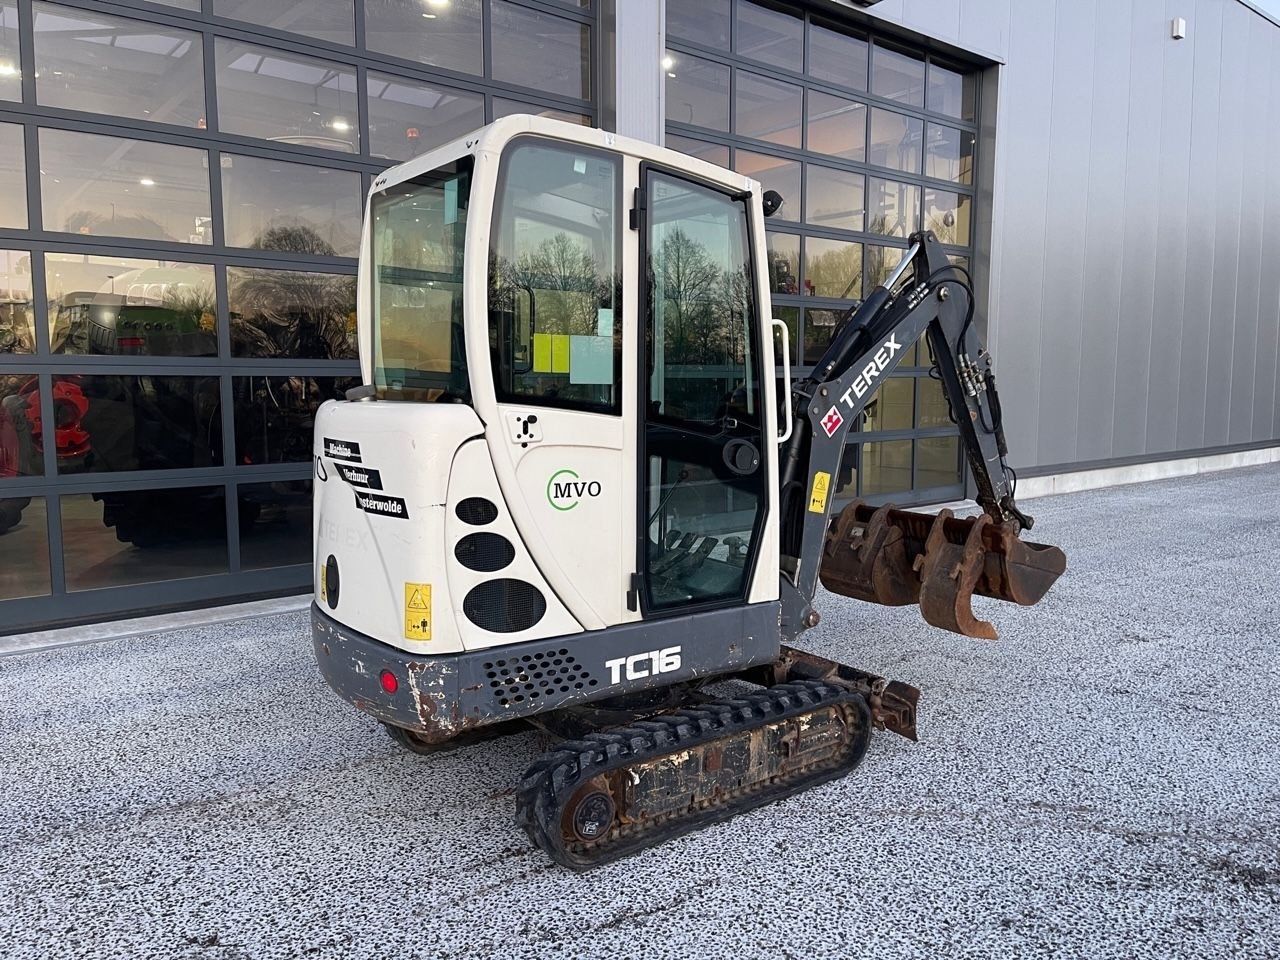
point(1179, 28)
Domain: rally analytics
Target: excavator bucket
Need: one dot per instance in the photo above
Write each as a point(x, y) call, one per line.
point(899, 557)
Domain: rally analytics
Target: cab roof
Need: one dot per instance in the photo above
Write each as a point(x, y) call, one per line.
point(491, 139)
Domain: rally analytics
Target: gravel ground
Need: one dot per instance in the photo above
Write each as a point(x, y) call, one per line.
point(1104, 781)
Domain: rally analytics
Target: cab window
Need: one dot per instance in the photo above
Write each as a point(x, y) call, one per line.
point(555, 323)
point(419, 234)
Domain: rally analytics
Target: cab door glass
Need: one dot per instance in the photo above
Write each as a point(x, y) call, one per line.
point(555, 323)
point(704, 449)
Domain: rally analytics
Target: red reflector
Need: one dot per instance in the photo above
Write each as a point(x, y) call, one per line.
point(389, 682)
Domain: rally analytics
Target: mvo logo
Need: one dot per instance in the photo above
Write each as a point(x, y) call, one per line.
point(566, 489)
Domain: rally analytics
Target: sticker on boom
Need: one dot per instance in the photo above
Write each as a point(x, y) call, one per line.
point(818, 495)
point(382, 505)
point(831, 422)
point(342, 450)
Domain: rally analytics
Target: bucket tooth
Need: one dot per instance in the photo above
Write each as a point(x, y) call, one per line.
point(948, 574)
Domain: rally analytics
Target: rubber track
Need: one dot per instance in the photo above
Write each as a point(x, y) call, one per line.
point(554, 777)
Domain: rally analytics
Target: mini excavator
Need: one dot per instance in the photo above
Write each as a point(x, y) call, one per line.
point(577, 485)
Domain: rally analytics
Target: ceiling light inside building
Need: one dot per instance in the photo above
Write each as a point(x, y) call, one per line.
point(147, 182)
point(341, 125)
point(7, 69)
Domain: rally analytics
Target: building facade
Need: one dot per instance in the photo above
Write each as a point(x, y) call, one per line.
point(181, 187)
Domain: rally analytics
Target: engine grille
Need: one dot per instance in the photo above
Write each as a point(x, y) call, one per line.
point(534, 676)
point(476, 511)
point(504, 606)
point(484, 552)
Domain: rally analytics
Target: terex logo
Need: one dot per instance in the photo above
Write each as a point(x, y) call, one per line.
point(347, 536)
point(641, 665)
point(566, 489)
point(862, 383)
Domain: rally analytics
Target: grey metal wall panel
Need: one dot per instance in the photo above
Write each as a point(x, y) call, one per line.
point(638, 81)
point(1233, 127)
point(1138, 269)
point(1245, 344)
point(1021, 174)
point(1202, 226)
point(1266, 412)
point(1170, 236)
point(1106, 212)
point(984, 25)
point(1133, 322)
point(1065, 222)
point(940, 17)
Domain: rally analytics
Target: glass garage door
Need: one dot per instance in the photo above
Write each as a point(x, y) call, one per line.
point(867, 142)
point(181, 188)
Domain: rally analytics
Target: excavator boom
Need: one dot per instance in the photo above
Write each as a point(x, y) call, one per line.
point(897, 557)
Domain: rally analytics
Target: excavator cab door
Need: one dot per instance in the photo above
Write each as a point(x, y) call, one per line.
point(703, 471)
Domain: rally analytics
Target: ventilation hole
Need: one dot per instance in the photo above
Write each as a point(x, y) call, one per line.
point(564, 689)
point(488, 666)
point(504, 606)
point(556, 662)
point(484, 552)
point(577, 686)
point(564, 653)
point(591, 684)
point(503, 702)
point(476, 511)
point(518, 698)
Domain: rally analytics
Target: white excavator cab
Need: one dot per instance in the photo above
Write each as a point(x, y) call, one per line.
point(546, 415)
point(570, 491)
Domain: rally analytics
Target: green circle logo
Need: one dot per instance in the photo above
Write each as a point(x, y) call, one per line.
point(565, 492)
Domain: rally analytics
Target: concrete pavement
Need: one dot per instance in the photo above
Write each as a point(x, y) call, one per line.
point(1104, 781)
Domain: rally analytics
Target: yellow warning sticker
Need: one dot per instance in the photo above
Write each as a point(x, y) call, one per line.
point(417, 611)
point(818, 496)
point(324, 587)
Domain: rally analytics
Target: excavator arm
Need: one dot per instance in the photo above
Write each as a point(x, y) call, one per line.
point(892, 556)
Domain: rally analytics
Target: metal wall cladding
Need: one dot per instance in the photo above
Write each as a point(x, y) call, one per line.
point(1134, 220)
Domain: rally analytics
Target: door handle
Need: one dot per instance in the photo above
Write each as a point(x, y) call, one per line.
point(786, 375)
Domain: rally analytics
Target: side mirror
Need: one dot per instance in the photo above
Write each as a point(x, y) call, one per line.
point(772, 202)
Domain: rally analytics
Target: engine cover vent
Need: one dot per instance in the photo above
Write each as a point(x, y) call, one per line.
point(534, 676)
point(476, 511)
point(504, 606)
point(484, 552)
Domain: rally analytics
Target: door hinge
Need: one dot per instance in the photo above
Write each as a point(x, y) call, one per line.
point(633, 595)
point(637, 210)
